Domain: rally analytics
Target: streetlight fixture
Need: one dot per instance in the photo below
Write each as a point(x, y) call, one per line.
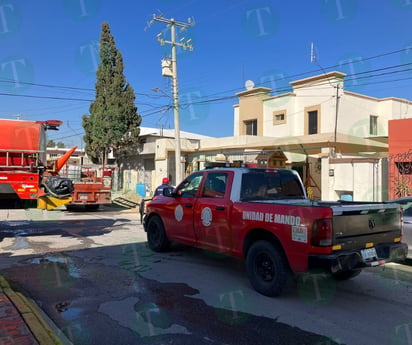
point(156, 89)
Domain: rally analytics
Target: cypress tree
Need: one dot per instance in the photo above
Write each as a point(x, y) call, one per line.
point(113, 123)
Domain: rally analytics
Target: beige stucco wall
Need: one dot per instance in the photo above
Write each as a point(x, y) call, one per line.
point(251, 108)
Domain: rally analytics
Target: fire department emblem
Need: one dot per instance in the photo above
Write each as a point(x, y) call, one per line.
point(206, 216)
point(179, 213)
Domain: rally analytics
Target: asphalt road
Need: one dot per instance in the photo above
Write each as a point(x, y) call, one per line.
point(94, 276)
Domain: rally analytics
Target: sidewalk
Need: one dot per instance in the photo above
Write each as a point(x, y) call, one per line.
point(22, 322)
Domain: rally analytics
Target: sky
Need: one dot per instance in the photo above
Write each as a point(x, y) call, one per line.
point(49, 55)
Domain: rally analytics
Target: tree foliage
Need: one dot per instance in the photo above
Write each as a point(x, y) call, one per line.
point(51, 143)
point(113, 123)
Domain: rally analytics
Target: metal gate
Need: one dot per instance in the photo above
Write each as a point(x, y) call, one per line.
point(400, 174)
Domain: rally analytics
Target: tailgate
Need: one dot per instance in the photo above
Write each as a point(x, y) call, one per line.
point(362, 225)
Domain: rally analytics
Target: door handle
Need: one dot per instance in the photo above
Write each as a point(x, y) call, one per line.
point(220, 208)
point(189, 205)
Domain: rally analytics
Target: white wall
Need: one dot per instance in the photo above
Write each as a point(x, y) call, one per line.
point(236, 129)
point(362, 179)
point(354, 115)
point(354, 111)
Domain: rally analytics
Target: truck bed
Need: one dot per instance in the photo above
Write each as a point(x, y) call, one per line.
point(356, 224)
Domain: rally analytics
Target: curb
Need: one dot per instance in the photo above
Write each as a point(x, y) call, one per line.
point(34, 318)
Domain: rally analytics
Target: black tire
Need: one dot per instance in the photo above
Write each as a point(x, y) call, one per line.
point(345, 275)
point(141, 210)
point(70, 207)
point(156, 235)
point(267, 268)
point(93, 207)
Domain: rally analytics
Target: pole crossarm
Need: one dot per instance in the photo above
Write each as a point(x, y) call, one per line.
point(162, 19)
point(173, 23)
point(185, 46)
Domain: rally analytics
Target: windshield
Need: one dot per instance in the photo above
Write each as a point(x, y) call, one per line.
point(407, 210)
point(271, 185)
point(189, 187)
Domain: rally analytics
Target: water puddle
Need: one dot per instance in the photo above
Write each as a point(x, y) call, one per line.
point(74, 272)
point(71, 314)
point(19, 243)
point(18, 232)
point(15, 223)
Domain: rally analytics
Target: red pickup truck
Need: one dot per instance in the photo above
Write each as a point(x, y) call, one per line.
point(264, 217)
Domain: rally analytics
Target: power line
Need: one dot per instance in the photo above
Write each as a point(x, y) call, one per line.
point(209, 99)
point(328, 68)
point(225, 98)
point(47, 97)
point(69, 88)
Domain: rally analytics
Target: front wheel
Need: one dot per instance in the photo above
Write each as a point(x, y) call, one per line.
point(267, 268)
point(156, 235)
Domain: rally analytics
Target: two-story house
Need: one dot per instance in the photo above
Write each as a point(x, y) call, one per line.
point(342, 135)
point(336, 139)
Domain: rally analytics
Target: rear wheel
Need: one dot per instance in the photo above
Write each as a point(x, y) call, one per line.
point(156, 235)
point(267, 268)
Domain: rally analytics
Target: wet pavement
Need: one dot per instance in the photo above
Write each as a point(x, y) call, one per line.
point(95, 279)
point(126, 308)
point(92, 292)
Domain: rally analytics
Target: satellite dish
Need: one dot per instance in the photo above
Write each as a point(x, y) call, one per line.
point(249, 84)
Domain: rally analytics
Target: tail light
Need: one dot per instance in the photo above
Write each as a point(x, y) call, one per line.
point(322, 233)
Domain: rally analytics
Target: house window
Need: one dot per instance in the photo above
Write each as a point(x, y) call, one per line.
point(404, 168)
point(313, 122)
point(373, 125)
point(148, 164)
point(251, 127)
point(279, 117)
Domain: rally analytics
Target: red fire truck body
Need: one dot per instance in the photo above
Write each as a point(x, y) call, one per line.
point(20, 151)
point(23, 172)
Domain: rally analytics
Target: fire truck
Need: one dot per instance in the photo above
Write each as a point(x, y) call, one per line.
point(92, 186)
point(25, 176)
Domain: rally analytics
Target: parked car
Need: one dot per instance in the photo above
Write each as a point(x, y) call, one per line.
point(406, 204)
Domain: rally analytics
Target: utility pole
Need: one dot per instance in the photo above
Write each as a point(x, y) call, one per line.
point(185, 45)
point(336, 119)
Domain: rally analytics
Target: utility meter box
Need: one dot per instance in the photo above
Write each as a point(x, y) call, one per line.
point(167, 70)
